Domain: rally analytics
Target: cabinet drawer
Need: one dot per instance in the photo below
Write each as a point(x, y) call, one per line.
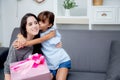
point(104, 15)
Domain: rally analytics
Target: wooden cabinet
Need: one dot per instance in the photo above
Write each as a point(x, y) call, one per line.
point(104, 15)
point(108, 13)
point(88, 13)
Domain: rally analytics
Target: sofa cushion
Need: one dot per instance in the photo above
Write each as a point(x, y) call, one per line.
point(3, 55)
point(113, 72)
point(1, 73)
point(88, 49)
point(86, 76)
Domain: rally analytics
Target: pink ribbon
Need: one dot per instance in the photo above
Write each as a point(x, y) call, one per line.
point(37, 60)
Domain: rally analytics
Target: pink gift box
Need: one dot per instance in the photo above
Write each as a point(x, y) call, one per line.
point(33, 68)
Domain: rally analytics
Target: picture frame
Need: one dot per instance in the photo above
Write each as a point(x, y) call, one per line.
point(39, 1)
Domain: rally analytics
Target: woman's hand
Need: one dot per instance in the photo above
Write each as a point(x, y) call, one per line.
point(7, 77)
point(59, 45)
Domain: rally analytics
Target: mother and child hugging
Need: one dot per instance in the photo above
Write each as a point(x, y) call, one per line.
point(39, 35)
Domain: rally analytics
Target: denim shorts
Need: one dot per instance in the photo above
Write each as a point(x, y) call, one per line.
point(66, 64)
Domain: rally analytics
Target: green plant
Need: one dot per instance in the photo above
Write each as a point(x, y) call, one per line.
point(68, 4)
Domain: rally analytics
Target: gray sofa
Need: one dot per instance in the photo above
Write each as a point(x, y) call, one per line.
point(88, 49)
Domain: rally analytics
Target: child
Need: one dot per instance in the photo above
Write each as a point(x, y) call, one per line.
point(58, 60)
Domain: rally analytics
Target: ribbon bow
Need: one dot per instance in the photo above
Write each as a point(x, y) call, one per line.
point(35, 59)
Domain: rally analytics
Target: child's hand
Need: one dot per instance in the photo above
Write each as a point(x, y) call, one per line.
point(20, 42)
point(17, 45)
point(59, 45)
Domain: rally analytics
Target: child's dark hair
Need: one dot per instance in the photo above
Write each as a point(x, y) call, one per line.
point(43, 16)
point(37, 47)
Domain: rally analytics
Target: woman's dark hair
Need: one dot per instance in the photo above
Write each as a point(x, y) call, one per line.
point(46, 15)
point(37, 47)
point(24, 22)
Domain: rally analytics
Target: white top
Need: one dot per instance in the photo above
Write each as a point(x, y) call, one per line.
point(55, 56)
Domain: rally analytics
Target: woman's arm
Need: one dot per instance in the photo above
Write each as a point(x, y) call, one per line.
point(7, 77)
point(41, 39)
point(10, 58)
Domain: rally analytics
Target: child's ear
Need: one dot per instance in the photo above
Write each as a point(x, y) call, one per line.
point(50, 25)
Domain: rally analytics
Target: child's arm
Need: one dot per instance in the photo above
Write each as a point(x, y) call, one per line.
point(41, 39)
point(19, 43)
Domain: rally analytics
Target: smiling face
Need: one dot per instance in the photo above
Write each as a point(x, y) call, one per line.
point(32, 26)
point(29, 26)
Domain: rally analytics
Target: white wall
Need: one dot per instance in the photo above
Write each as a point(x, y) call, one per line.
point(0, 24)
point(12, 11)
point(30, 6)
point(9, 19)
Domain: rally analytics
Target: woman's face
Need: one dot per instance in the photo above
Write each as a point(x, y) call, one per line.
point(32, 26)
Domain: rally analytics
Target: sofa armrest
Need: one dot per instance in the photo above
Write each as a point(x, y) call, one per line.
point(3, 55)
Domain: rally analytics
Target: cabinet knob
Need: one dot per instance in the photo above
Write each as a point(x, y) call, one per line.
point(103, 14)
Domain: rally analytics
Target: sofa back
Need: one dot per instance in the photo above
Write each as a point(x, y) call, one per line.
point(89, 49)
point(14, 35)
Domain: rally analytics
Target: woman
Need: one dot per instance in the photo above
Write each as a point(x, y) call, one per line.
point(29, 27)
